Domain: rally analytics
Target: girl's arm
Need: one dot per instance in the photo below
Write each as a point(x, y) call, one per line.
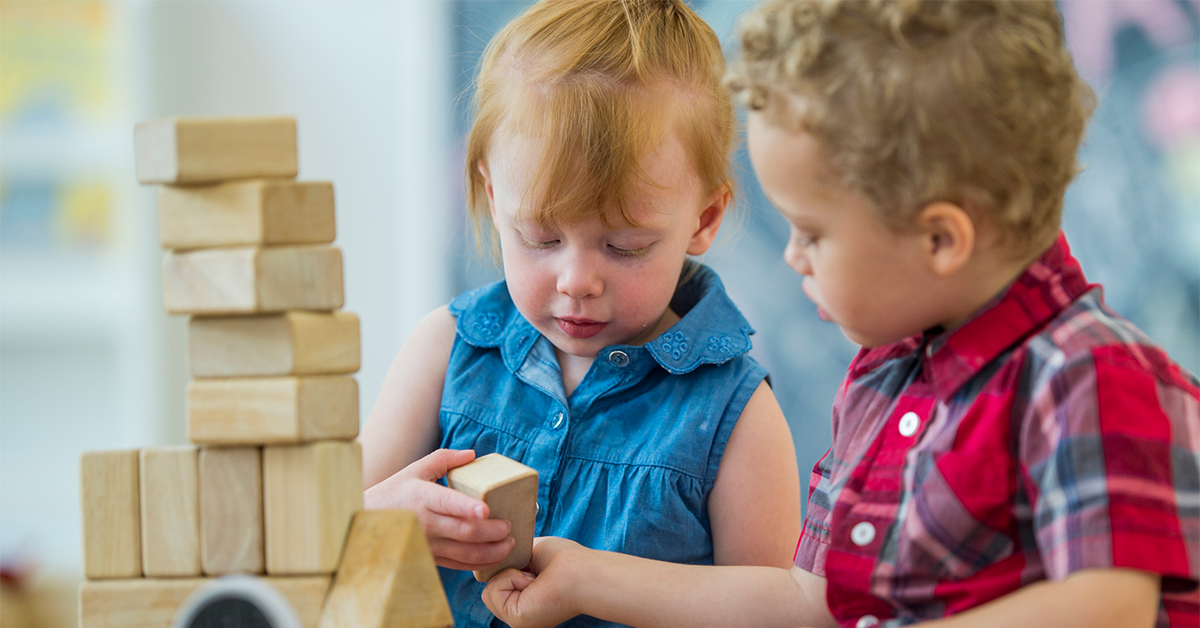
point(754, 506)
point(572, 580)
point(1090, 598)
point(400, 472)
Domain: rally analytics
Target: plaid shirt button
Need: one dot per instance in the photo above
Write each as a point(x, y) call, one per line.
point(909, 424)
point(862, 534)
point(866, 621)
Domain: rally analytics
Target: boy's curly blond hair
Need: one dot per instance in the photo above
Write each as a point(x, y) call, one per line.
point(973, 102)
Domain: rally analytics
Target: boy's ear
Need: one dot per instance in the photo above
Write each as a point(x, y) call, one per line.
point(487, 187)
point(709, 221)
point(948, 237)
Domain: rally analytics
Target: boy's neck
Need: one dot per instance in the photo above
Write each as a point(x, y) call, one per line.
point(988, 275)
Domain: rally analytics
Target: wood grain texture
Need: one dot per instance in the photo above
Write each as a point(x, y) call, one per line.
point(197, 150)
point(111, 509)
point(310, 493)
point(293, 343)
point(250, 212)
point(250, 280)
point(152, 603)
point(386, 577)
point(170, 499)
point(231, 520)
point(509, 488)
point(263, 410)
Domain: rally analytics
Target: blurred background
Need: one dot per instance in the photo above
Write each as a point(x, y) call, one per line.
point(381, 94)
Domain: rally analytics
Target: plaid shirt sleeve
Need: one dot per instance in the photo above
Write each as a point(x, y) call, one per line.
point(814, 538)
point(1110, 452)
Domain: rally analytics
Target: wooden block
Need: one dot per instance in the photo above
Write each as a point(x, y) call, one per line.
point(387, 576)
point(170, 512)
point(196, 150)
point(112, 527)
point(249, 280)
point(231, 521)
point(509, 488)
point(259, 211)
point(263, 410)
point(293, 343)
point(152, 603)
point(310, 493)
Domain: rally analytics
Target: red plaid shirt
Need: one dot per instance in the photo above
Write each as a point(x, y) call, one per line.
point(1044, 436)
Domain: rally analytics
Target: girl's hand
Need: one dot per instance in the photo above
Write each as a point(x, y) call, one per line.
point(457, 526)
point(524, 600)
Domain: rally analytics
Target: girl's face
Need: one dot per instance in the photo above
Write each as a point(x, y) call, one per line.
point(586, 286)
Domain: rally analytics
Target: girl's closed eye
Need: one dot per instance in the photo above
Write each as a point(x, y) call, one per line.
point(537, 241)
point(630, 252)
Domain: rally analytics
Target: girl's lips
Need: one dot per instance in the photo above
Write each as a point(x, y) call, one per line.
point(580, 328)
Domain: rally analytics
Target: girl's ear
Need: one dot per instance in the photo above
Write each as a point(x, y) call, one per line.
point(487, 187)
point(948, 237)
point(709, 221)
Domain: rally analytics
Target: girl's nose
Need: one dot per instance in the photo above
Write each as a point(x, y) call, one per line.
point(579, 278)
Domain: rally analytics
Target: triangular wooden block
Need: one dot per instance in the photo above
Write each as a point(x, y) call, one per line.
point(387, 576)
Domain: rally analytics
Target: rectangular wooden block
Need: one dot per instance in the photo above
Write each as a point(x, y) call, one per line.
point(293, 343)
point(257, 211)
point(231, 520)
point(387, 576)
point(249, 280)
point(170, 511)
point(152, 603)
point(111, 508)
point(263, 410)
point(196, 150)
point(310, 493)
point(509, 488)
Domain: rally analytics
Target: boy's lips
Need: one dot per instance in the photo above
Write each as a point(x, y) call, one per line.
point(581, 328)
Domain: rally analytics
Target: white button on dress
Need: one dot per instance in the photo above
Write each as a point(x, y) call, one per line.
point(909, 424)
point(862, 534)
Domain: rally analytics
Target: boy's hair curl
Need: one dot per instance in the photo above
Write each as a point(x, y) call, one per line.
point(974, 102)
point(599, 83)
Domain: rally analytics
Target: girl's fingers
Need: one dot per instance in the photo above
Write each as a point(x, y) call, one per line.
point(436, 465)
point(469, 555)
point(465, 530)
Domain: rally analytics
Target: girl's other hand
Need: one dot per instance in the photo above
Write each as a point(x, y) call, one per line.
point(457, 526)
point(533, 600)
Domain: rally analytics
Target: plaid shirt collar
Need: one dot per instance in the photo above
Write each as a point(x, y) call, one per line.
point(1045, 288)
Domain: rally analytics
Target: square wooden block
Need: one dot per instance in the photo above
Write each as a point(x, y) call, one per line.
point(255, 411)
point(509, 488)
point(293, 343)
point(310, 493)
point(257, 211)
point(387, 576)
point(196, 150)
point(250, 280)
point(170, 498)
point(231, 519)
point(111, 508)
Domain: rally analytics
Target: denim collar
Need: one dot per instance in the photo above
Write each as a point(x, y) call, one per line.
point(711, 330)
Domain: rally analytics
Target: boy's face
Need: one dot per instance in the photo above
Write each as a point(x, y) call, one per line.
point(864, 276)
point(586, 286)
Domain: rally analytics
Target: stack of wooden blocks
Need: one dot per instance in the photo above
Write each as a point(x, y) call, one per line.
point(273, 478)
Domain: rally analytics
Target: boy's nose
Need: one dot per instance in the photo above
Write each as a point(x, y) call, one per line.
point(579, 279)
point(794, 256)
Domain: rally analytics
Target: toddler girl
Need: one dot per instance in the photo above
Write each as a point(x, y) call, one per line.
point(606, 360)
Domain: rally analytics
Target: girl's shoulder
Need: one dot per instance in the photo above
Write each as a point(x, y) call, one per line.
point(485, 314)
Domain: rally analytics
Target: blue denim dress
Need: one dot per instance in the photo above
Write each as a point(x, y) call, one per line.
point(626, 463)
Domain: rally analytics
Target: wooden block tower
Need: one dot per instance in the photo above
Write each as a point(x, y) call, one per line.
point(273, 477)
